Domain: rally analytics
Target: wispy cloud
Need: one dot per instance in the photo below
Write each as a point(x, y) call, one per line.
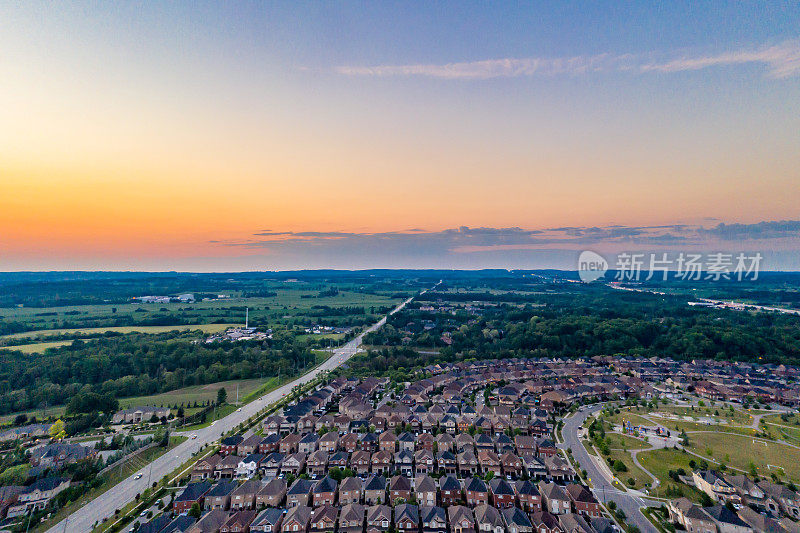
point(782, 61)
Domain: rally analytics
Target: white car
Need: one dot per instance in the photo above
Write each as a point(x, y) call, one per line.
point(194, 437)
point(239, 409)
point(138, 476)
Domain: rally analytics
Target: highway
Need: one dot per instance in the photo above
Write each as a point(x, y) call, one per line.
point(118, 496)
point(629, 502)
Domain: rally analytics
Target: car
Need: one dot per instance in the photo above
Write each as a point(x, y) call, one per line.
point(194, 437)
point(143, 513)
point(138, 476)
point(239, 409)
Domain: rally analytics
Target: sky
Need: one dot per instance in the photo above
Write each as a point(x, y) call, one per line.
point(264, 136)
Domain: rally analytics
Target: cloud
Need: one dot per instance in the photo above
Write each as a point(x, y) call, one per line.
point(782, 60)
point(777, 229)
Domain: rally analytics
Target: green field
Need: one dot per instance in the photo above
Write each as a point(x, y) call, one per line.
point(739, 451)
point(205, 328)
point(36, 347)
point(286, 307)
point(625, 442)
point(660, 462)
point(196, 393)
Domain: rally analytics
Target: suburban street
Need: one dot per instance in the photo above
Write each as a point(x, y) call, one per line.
point(601, 477)
point(118, 496)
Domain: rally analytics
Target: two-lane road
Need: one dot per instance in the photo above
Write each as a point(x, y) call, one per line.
point(601, 478)
point(82, 520)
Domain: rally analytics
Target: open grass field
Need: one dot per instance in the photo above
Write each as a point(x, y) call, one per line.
point(205, 328)
point(196, 393)
point(36, 347)
point(625, 442)
point(739, 451)
point(630, 416)
point(674, 425)
point(634, 472)
point(290, 303)
point(721, 413)
point(660, 462)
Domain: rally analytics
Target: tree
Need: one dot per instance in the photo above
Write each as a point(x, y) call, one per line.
point(222, 396)
point(57, 431)
point(195, 511)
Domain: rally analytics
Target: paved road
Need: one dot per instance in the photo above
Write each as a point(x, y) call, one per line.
point(119, 495)
point(601, 477)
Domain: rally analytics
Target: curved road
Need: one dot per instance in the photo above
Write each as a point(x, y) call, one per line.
point(601, 477)
point(82, 520)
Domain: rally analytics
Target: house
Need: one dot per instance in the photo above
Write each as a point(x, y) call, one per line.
point(446, 462)
point(511, 464)
point(249, 445)
point(554, 498)
point(488, 519)
point(375, 490)
point(59, 454)
point(726, 520)
point(528, 495)
point(387, 441)
point(228, 445)
point(534, 466)
point(36, 496)
point(760, 522)
point(244, 496)
point(450, 490)
point(181, 524)
point(210, 522)
point(293, 464)
point(467, 463)
point(249, 465)
point(238, 522)
point(329, 442)
point(299, 493)
point(713, 484)
point(191, 494)
point(379, 518)
point(502, 493)
point(351, 518)
point(349, 442)
point(324, 491)
point(360, 462)
point(308, 443)
point(574, 523)
point(136, 415)
point(425, 490)
point(544, 522)
point(425, 442)
point(297, 519)
point(406, 518)
point(8, 496)
point(690, 516)
point(423, 462)
point(204, 468)
point(787, 499)
point(399, 489)
point(461, 519)
point(516, 520)
point(226, 467)
point(350, 490)
point(406, 441)
point(219, 497)
point(317, 464)
point(381, 462)
point(477, 493)
point(289, 443)
point(404, 462)
point(271, 494)
point(156, 525)
point(583, 502)
point(323, 519)
point(558, 468)
point(433, 518)
point(267, 521)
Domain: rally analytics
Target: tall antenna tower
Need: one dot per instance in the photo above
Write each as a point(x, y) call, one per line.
point(246, 317)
